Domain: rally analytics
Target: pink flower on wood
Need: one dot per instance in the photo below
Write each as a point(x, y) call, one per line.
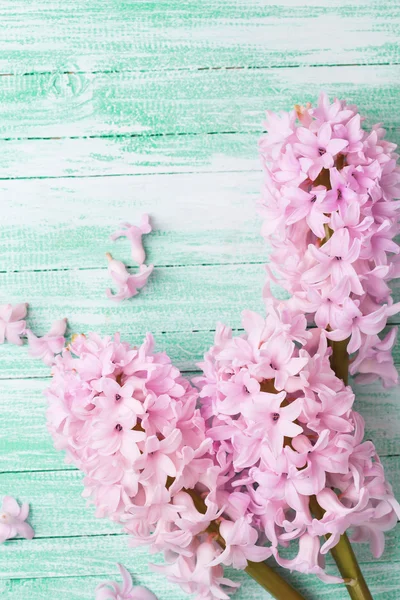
point(49, 345)
point(12, 520)
point(12, 324)
point(128, 284)
point(134, 234)
point(111, 590)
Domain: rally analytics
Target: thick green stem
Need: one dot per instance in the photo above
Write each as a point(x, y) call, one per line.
point(343, 552)
point(340, 360)
point(272, 582)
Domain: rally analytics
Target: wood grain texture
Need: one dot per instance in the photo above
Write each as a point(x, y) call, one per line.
point(26, 446)
point(110, 109)
point(181, 102)
point(175, 298)
point(384, 581)
point(197, 219)
point(93, 36)
point(135, 155)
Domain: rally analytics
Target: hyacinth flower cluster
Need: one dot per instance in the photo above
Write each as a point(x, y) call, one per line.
point(128, 419)
point(233, 482)
point(266, 458)
point(330, 217)
point(291, 446)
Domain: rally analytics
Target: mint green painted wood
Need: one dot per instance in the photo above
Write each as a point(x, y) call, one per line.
point(129, 105)
point(384, 578)
point(197, 297)
point(136, 155)
point(110, 35)
point(182, 102)
point(76, 232)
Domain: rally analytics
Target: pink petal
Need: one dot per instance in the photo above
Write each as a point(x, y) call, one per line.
point(336, 146)
point(11, 506)
point(142, 593)
point(13, 332)
point(145, 224)
point(58, 328)
point(25, 530)
point(126, 579)
point(19, 311)
point(324, 134)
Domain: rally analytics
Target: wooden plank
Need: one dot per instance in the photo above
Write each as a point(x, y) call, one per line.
point(25, 444)
point(383, 579)
point(140, 155)
point(130, 155)
point(58, 509)
point(197, 219)
point(83, 588)
point(178, 102)
point(94, 555)
point(93, 36)
point(203, 218)
point(175, 299)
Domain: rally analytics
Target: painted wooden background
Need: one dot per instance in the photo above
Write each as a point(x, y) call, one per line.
point(114, 107)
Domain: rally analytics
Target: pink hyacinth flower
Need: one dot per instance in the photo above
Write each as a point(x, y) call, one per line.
point(320, 147)
point(331, 217)
point(12, 324)
point(49, 345)
point(127, 283)
point(308, 559)
point(134, 234)
point(111, 590)
point(266, 412)
point(241, 545)
point(12, 520)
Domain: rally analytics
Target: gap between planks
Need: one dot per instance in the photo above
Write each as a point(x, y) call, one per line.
point(193, 68)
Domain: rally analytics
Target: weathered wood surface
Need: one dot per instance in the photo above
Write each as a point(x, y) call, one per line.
point(110, 109)
point(183, 102)
point(384, 581)
point(165, 34)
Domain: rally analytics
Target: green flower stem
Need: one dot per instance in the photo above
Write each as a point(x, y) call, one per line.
point(343, 552)
point(272, 582)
